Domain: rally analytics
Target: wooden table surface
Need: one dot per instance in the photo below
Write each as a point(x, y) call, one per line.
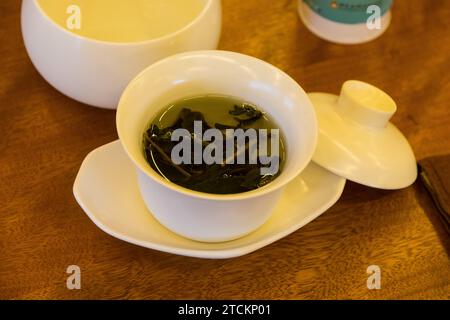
point(44, 137)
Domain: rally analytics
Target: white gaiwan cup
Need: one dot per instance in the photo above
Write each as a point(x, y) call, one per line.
point(96, 72)
point(209, 217)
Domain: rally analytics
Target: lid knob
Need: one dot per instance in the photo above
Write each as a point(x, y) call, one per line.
point(365, 104)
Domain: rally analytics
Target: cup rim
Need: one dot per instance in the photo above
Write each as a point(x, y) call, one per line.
point(152, 174)
point(188, 26)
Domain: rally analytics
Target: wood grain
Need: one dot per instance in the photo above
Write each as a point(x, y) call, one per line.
point(44, 136)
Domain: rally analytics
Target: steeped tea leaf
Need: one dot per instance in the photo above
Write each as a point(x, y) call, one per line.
point(224, 178)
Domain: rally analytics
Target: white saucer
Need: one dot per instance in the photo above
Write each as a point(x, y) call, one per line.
point(107, 190)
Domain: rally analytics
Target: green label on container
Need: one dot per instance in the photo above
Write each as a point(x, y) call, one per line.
point(347, 11)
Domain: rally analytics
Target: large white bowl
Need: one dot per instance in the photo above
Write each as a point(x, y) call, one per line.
point(96, 72)
point(209, 217)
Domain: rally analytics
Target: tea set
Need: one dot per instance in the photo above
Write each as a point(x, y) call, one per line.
point(329, 138)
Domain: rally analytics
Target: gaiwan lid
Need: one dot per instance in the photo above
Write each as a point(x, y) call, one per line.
point(357, 141)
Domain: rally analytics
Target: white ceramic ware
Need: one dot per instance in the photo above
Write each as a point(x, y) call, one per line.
point(357, 141)
point(201, 216)
point(96, 72)
point(340, 33)
point(107, 191)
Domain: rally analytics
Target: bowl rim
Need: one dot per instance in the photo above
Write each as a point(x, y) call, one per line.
point(200, 16)
point(150, 173)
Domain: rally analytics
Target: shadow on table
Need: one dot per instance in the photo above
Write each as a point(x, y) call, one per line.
point(426, 202)
point(355, 193)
